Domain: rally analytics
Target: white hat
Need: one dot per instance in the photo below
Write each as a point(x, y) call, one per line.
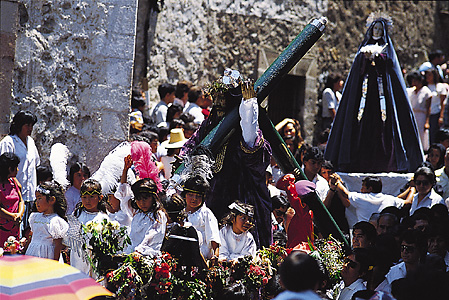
point(177, 139)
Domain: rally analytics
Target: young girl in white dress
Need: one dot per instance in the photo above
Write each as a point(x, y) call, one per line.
point(236, 240)
point(91, 208)
point(201, 217)
point(142, 204)
point(48, 225)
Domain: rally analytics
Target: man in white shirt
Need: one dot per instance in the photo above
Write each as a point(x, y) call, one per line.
point(167, 95)
point(360, 206)
point(357, 265)
point(196, 99)
point(313, 160)
point(182, 91)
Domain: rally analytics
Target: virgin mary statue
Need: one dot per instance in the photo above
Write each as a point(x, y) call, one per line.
point(375, 130)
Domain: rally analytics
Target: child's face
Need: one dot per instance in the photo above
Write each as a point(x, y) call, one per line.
point(193, 201)
point(78, 179)
point(433, 157)
point(43, 204)
point(113, 204)
point(145, 202)
point(242, 223)
point(90, 202)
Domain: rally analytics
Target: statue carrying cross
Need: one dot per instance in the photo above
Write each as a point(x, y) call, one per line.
point(242, 153)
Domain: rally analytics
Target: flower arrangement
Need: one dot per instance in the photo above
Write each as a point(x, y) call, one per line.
point(13, 246)
point(275, 254)
point(330, 252)
point(104, 240)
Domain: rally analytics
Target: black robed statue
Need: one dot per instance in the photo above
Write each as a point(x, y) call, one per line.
point(375, 129)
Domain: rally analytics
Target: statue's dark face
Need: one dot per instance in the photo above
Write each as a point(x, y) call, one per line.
point(378, 30)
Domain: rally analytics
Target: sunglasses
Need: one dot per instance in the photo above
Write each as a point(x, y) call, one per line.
point(422, 182)
point(350, 263)
point(407, 249)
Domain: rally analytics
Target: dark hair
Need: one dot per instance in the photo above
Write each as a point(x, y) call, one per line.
point(21, 118)
point(196, 183)
point(8, 161)
point(91, 184)
point(175, 208)
point(328, 165)
point(373, 182)
point(364, 258)
point(164, 89)
point(44, 172)
point(186, 117)
point(413, 236)
point(278, 201)
point(176, 123)
point(300, 272)
point(367, 229)
point(333, 78)
point(435, 54)
point(442, 134)
point(182, 87)
point(172, 109)
point(442, 150)
point(426, 172)
point(60, 206)
point(194, 93)
point(313, 153)
point(137, 100)
point(230, 217)
point(415, 75)
point(76, 167)
point(144, 188)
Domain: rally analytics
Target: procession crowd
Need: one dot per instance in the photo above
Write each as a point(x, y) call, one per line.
point(398, 243)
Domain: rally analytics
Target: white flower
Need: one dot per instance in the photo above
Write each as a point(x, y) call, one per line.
point(98, 227)
point(373, 50)
point(89, 226)
point(115, 225)
point(11, 239)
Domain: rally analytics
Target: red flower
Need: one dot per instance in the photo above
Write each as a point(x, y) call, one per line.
point(264, 280)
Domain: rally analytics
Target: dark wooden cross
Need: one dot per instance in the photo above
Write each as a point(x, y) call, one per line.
point(284, 158)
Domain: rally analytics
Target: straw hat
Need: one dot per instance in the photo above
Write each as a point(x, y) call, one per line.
point(177, 139)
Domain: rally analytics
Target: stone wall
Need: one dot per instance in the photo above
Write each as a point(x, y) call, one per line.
point(73, 69)
point(196, 40)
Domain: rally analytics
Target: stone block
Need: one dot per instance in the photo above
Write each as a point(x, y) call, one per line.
point(119, 72)
point(127, 17)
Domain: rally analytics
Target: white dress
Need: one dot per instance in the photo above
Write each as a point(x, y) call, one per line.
point(76, 260)
point(45, 228)
point(146, 233)
point(205, 222)
point(235, 245)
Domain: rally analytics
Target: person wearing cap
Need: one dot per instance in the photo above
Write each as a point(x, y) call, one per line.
point(202, 218)
point(236, 240)
point(173, 146)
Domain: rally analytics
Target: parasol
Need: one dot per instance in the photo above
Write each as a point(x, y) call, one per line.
point(28, 277)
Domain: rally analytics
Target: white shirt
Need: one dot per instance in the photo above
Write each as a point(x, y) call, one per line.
point(196, 111)
point(235, 245)
point(330, 101)
point(159, 113)
point(347, 292)
point(205, 222)
point(443, 181)
point(363, 205)
point(72, 196)
point(429, 200)
point(396, 272)
point(437, 90)
point(322, 186)
point(29, 160)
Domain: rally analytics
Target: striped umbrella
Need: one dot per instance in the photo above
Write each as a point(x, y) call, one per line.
point(28, 277)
